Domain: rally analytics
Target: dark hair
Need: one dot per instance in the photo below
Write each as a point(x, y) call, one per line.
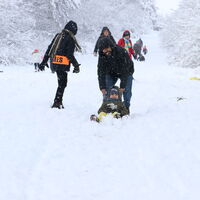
point(105, 28)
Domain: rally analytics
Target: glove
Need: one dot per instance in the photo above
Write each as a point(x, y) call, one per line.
point(116, 115)
point(135, 56)
point(42, 66)
point(141, 58)
point(76, 69)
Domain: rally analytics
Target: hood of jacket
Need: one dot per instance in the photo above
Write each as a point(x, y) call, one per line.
point(72, 26)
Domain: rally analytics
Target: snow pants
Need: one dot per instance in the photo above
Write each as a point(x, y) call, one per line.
point(62, 83)
point(36, 66)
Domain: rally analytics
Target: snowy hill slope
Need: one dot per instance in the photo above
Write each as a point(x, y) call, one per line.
point(49, 154)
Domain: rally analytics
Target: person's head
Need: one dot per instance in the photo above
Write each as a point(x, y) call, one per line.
point(72, 26)
point(36, 51)
point(126, 34)
point(114, 93)
point(105, 46)
point(139, 41)
point(105, 31)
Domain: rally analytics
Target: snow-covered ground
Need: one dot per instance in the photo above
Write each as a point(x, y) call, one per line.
point(48, 154)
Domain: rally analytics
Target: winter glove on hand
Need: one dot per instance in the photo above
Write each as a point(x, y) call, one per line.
point(135, 56)
point(76, 69)
point(141, 58)
point(42, 66)
point(116, 115)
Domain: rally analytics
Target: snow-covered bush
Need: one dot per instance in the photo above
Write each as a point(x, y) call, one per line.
point(181, 34)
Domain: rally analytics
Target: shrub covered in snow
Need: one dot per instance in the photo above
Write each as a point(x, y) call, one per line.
point(181, 35)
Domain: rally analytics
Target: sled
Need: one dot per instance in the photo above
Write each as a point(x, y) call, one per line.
point(194, 78)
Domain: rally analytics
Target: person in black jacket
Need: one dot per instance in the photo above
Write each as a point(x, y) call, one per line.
point(137, 47)
point(104, 33)
point(114, 63)
point(62, 60)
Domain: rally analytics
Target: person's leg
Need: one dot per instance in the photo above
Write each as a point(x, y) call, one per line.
point(62, 83)
point(110, 82)
point(35, 65)
point(127, 94)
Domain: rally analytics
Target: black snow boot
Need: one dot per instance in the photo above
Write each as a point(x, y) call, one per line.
point(57, 104)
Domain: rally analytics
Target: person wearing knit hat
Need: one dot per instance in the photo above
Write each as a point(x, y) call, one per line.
point(126, 43)
point(61, 55)
point(104, 33)
point(114, 64)
point(112, 105)
point(138, 50)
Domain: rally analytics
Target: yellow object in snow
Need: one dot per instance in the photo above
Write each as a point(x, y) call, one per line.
point(194, 78)
point(101, 115)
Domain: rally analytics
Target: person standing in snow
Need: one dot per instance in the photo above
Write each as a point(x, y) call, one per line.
point(36, 59)
point(104, 33)
point(126, 43)
point(138, 49)
point(144, 50)
point(63, 58)
point(114, 63)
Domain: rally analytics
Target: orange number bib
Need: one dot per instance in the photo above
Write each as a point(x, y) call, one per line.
point(60, 60)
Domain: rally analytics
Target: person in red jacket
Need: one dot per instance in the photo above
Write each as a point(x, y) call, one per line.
point(127, 43)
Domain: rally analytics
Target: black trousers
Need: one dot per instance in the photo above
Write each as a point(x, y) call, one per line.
point(36, 66)
point(62, 83)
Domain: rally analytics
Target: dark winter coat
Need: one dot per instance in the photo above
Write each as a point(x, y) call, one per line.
point(117, 65)
point(96, 48)
point(137, 47)
point(66, 48)
point(112, 105)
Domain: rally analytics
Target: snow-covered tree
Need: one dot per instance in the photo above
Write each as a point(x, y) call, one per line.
point(27, 25)
point(181, 34)
point(136, 15)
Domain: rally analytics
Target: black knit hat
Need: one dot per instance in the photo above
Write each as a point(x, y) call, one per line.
point(72, 26)
point(105, 43)
point(114, 90)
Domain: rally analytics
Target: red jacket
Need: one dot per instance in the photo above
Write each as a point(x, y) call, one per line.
point(121, 43)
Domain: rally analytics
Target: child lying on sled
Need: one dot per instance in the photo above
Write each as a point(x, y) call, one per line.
point(112, 104)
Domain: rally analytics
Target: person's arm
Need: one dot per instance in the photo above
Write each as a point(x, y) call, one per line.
point(70, 47)
point(121, 42)
point(101, 74)
point(113, 40)
point(96, 46)
point(129, 63)
point(127, 67)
